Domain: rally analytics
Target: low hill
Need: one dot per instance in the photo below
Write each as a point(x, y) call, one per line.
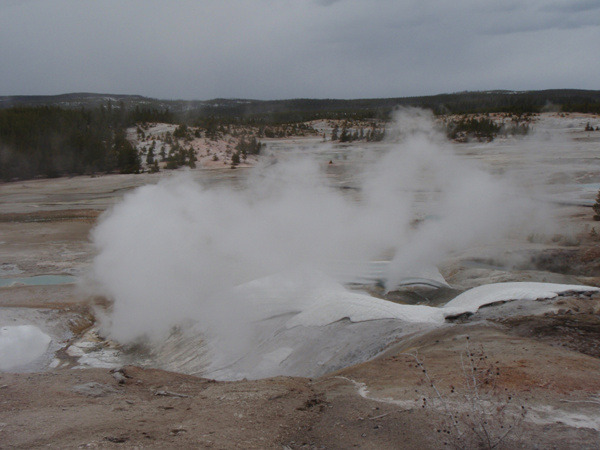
point(294, 110)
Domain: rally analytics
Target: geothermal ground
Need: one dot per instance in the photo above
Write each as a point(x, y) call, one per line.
point(358, 365)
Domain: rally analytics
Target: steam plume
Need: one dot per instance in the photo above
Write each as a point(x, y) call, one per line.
point(178, 251)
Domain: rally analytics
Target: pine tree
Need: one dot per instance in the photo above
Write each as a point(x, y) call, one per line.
point(128, 160)
point(596, 207)
point(150, 156)
point(334, 133)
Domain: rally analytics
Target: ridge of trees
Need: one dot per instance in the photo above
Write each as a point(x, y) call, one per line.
point(357, 131)
point(48, 141)
point(265, 112)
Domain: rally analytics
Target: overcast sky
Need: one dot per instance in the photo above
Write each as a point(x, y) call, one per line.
point(274, 49)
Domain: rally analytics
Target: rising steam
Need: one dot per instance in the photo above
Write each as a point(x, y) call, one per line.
point(178, 251)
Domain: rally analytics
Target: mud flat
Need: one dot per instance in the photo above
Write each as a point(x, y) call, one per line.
point(520, 373)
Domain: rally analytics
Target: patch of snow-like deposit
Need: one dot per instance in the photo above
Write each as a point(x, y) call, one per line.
point(308, 326)
point(20, 345)
point(322, 301)
point(327, 327)
point(330, 306)
point(330, 302)
point(586, 417)
point(473, 299)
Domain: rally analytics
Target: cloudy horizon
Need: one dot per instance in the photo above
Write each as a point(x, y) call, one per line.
point(277, 49)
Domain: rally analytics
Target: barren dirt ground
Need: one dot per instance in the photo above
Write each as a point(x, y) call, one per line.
point(384, 403)
point(537, 373)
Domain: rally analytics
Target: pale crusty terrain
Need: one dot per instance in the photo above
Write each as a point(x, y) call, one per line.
point(156, 409)
point(538, 367)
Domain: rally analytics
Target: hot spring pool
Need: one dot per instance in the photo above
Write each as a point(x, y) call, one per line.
point(38, 280)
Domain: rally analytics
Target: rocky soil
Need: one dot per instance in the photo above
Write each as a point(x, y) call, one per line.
point(542, 385)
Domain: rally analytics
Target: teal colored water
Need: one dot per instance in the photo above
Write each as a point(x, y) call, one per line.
point(40, 280)
point(591, 186)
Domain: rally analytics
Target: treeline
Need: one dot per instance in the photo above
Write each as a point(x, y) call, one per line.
point(533, 102)
point(483, 128)
point(259, 112)
point(355, 132)
point(277, 112)
point(49, 141)
point(266, 113)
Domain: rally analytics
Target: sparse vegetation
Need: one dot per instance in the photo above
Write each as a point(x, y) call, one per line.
point(369, 131)
point(480, 414)
point(250, 147)
point(179, 156)
point(482, 128)
point(487, 127)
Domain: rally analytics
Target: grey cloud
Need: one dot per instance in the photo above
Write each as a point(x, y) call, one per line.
point(571, 6)
point(11, 3)
point(546, 19)
point(275, 49)
point(327, 2)
point(558, 24)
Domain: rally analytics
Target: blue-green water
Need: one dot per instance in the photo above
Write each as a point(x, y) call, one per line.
point(39, 280)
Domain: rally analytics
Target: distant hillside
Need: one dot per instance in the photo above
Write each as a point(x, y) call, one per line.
point(45, 136)
point(73, 100)
point(295, 110)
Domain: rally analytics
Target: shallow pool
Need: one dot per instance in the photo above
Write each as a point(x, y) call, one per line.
point(39, 280)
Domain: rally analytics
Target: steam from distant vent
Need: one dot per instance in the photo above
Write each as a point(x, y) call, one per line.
point(177, 251)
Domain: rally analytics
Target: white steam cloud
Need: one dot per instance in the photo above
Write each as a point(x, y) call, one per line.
point(178, 251)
